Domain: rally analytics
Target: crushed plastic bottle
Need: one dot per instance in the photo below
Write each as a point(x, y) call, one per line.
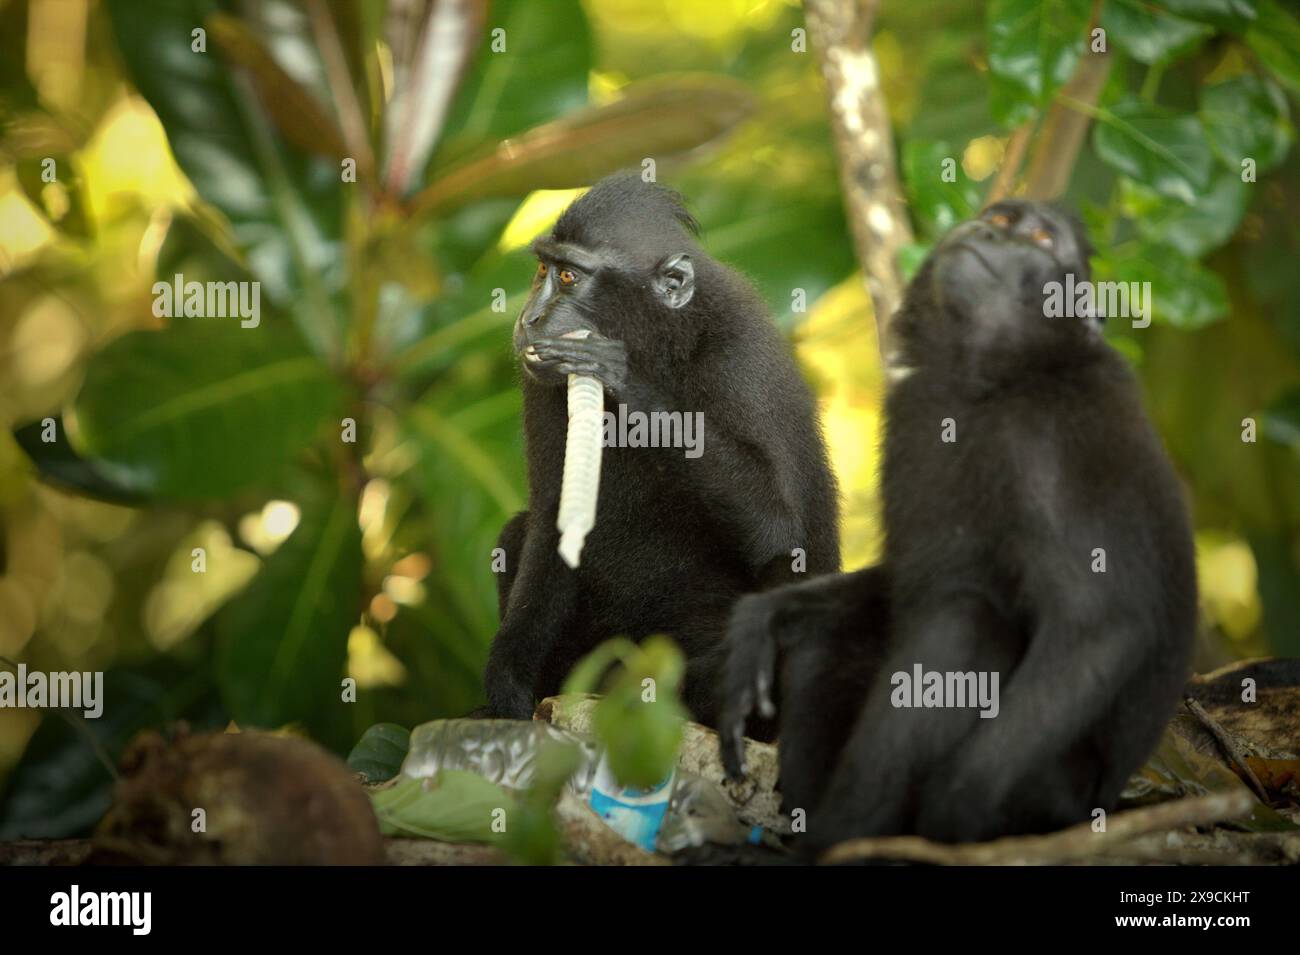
point(682, 811)
point(501, 751)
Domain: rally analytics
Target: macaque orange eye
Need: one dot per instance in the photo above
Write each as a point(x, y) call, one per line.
point(1000, 219)
point(541, 269)
point(1042, 237)
point(568, 276)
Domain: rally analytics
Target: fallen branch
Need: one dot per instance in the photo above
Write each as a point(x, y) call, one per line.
point(403, 851)
point(45, 852)
point(1078, 843)
point(1229, 747)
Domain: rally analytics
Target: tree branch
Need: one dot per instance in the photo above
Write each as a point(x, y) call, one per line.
point(1069, 845)
point(864, 142)
point(1066, 126)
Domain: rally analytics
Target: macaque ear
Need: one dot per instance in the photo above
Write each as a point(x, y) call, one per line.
point(674, 280)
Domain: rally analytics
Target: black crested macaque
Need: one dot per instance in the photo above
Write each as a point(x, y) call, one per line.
point(678, 536)
point(1033, 530)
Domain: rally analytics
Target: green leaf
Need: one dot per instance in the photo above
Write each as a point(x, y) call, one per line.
point(1148, 33)
point(201, 409)
point(1184, 293)
point(1191, 229)
point(640, 736)
point(938, 204)
point(1033, 46)
point(57, 463)
point(589, 673)
point(1275, 38)
point(283, 641)
point(1187, 295)
point(1166, 150)
point(379, 753)
point(454, 806)
point(284, 206)
point(1246, 118)
point(1231, 15)
point(1009, 105)
point(660, 118)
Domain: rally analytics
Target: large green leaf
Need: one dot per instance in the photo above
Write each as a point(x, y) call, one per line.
point(1184, 293)
point(379, 753)
point(640, 736)
point(1148, 33)
point(1246, 117)
point(453, 806)
point(1233, 15)
point(1275, 38)
point(283, 641)
point(1033, 47)
point(283, 206)
point(202, 408)
point(1166, 150)
point(1191, 229)
point(661, 119)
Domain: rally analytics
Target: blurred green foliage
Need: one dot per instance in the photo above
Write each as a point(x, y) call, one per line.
point(387, 300)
